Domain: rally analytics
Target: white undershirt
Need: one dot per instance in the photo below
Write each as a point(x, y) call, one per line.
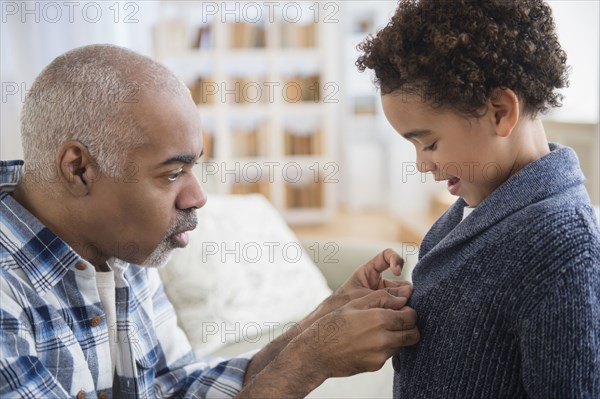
point(105, 281)
point(467, 211)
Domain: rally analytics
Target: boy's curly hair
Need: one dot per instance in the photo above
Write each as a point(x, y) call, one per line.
point(455, 53)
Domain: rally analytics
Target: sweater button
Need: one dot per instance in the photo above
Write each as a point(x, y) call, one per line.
point(95, 321)
point(102, 395)
point(80, 395)
point(396, 363)
point(80, 266)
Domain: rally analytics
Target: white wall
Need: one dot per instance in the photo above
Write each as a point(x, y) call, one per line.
point(578, 31)
point(33, 33)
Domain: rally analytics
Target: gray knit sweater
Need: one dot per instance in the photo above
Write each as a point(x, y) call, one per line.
point(508, 300)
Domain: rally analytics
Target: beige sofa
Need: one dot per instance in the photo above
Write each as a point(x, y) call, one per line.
point(245, 278)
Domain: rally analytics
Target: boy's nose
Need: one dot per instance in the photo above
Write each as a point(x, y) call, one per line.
point(425, 166)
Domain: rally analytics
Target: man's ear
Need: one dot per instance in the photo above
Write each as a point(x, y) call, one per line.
point(503, 108)
point(77, 168)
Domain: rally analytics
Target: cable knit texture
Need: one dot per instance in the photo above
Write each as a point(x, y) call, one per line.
point(508, 300)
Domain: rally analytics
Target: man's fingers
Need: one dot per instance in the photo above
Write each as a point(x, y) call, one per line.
point(394, 329)
point(395, 261)
point(404, 318)
point(385, 259)
point(380, 299)
point(395, 283)
point(404, 290)
point(407, 337)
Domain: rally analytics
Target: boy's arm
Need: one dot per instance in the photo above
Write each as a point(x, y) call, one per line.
point(560, 337)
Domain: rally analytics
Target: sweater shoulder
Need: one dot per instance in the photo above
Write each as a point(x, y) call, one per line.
point(559, 226)
point(557, 244)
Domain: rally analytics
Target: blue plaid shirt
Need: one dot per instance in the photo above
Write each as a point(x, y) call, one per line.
point(54, 339)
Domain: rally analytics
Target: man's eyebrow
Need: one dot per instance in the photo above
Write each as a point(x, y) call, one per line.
point(183, 158)
point(416, 134)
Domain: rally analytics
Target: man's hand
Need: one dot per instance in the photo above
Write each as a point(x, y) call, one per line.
point(356, 329)
point(361, 335)
point(365, 280)
point(357, 337)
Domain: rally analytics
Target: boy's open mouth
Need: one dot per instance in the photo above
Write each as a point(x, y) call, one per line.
point(453, 185)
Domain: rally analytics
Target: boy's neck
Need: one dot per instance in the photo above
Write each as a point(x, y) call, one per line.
point(530, 143)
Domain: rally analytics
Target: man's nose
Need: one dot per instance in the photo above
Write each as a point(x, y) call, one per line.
point(193, 196)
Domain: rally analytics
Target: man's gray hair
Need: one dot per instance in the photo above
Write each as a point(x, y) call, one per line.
point(86, 94)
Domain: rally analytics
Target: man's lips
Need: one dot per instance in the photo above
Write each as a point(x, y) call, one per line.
point(181, 238)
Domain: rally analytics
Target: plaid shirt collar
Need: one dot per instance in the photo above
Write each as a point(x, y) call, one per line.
point(41, 254)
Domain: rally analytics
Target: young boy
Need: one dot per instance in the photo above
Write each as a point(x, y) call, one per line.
point(508, 298)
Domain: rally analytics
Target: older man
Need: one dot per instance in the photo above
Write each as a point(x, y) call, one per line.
point(105, 193)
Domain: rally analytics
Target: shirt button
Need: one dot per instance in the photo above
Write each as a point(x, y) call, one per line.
point(102, 395)
point(80, 266)
point(95, 321)
point(80, 395)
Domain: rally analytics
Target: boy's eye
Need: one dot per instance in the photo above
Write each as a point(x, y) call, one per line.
point(431, 147)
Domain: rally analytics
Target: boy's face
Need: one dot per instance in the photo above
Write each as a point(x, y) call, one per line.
point(466, 152)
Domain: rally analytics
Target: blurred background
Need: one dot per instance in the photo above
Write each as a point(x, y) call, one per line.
point(284, 110)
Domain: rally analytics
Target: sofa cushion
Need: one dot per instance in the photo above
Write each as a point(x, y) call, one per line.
point(244, 274)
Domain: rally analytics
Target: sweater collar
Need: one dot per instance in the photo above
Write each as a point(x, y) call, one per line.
point(551, 174)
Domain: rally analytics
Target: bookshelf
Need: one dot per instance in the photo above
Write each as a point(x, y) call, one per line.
point(266, 93)
point(368, 137)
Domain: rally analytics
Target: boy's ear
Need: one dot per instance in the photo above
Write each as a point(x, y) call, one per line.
point(503, 108)
point(77, 168)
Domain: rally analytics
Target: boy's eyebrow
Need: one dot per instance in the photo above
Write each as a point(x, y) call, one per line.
point(416, 134)
point(183, 158)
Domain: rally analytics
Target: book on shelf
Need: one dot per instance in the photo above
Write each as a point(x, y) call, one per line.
point(304, 195)
point(316, 145)
point(204, 37)
point(245, 35)
point(247, 90)
point(302, 88)
point(298, 34)
point(249, 139)
point(244, 143)
point(208, 140)
point(203, 90)
point(302, 144)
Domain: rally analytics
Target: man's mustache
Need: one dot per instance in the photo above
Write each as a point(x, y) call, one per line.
point(185, 220)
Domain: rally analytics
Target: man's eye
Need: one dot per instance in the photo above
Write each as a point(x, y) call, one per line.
point(431, 147)
point(173, 177)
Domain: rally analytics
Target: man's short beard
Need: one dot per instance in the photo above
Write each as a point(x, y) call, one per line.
point(186, 220)
point(160, 256)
